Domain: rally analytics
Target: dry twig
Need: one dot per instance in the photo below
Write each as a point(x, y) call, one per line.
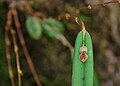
point(8, 43)
point(17, 55)
point(25, 50)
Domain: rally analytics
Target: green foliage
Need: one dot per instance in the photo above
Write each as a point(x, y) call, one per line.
point(82, 72)
point(52, 28)
point(58, 26)
point(95, 80)
point(34, 27)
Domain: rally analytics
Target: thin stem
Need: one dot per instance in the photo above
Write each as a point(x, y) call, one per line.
point(83, 28)
point(66, 43)
point(65, 15)
point(99, 4)
point(8, 43)
point(84, 31)
point(17, 56)
point(22, 41)
point(27, 8)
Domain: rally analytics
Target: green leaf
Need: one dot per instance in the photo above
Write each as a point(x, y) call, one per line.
point(96, 81)
point(34, 27)
point(57, 24)
point(51, 29)
point(82, 72)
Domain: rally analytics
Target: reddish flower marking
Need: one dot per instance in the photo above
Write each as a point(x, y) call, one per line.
point(83, 56)
point(83, 53)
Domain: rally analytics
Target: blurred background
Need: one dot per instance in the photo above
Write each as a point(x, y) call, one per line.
point(51, 58)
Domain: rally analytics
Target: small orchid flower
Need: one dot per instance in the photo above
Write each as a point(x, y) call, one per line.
point(83, 53)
